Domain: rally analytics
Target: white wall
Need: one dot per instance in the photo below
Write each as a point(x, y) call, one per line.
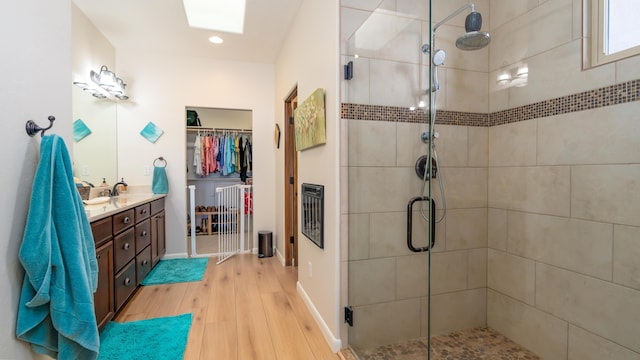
point(160, 87)
point(309, 58)
point(36, 68)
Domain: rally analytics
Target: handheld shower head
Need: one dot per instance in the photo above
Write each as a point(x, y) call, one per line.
point(438, 57)
point(473, 39)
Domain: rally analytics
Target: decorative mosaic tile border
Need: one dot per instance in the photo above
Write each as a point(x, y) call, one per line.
point(403, 114)
point(606, 96)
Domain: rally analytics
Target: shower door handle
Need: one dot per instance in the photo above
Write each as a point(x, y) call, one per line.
point(432, 223)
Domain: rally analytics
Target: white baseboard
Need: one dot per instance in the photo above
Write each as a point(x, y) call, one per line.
point(175, 256)
point(334, 343)
point(280, 256)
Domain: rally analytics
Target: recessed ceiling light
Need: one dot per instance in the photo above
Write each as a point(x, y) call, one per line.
point(216, 40)
point(218, 15)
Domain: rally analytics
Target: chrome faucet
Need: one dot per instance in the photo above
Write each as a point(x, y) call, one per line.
point(114, 192)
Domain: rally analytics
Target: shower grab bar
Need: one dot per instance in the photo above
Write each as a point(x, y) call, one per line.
point(432, 223)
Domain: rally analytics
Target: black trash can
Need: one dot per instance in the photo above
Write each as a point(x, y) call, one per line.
point(265, 244)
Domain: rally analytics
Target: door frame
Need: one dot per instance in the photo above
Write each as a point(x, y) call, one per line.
point(290, 181)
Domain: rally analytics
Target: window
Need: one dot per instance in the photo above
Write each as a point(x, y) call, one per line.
point(613, 34)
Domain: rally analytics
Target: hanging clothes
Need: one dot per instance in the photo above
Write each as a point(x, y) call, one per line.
point(249, 155)
point(242, 160)
point(225, 153)
point(214, 155)
point(238, 144)
point(206, 147)
point(197, 154)
point(230, 151)
point(224, 156)
point(219, 161)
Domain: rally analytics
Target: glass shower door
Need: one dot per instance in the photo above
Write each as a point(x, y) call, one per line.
point(385, 111)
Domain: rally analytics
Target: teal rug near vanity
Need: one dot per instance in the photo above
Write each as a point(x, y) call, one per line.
point(176, 270)
point(158, 338)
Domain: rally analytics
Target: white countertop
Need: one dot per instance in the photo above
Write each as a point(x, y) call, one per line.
point(117, 204)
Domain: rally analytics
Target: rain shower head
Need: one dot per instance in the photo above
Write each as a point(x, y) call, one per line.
point(473, 39)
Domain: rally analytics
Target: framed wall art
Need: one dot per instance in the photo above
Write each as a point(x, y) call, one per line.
point(309, 120)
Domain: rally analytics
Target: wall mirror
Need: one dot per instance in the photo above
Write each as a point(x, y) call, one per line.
point(95, 156)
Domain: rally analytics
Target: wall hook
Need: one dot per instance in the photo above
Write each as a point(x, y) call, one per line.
point(33, 128)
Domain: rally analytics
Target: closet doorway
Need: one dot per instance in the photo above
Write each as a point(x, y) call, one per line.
point(219, 179)
point(291, 181)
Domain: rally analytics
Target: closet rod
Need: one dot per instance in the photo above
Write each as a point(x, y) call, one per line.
point(200, 128)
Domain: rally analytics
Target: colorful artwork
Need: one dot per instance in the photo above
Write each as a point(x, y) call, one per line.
point(310, 121)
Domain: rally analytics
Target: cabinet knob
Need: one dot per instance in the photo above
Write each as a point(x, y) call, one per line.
point(126, 246)
point(98, 257)
point(126, 220)
point(144, 211)
point(144, 233)
point(127, 281)
point(145, 262)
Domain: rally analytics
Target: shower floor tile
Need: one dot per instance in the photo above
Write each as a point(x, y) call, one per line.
point(478, 343)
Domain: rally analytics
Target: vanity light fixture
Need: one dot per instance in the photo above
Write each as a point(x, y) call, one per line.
point(104, 83)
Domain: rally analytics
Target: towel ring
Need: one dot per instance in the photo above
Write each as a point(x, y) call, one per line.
point(161, 159)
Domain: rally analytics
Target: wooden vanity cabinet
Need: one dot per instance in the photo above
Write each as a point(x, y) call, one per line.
point(126, 243)
point(143, 242)
point(158, 239)
point(103, 297)
point(125, 248)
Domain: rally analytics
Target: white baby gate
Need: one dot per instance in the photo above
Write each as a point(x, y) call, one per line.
point(235, 206)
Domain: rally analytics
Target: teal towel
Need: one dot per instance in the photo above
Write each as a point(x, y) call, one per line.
point(56, 313)
point(160, 184)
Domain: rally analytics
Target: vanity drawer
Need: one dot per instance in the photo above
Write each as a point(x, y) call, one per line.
point(124, 248)
point(101, 231)
point(123, 220)
point(143, 263)
point(125, 284)
point(143, 235)
point(157, 206)
point(142, 212)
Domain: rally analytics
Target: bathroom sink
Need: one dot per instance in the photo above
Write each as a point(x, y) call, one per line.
point(98, 200)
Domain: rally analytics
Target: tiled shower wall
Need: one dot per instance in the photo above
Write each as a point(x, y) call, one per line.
point(551, 185)
point(381, 143)
point(564, 189)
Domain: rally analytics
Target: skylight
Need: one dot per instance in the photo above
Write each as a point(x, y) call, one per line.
point(218, 15)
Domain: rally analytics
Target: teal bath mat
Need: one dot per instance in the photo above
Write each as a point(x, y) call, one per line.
point(158, 339)
point(176, 270)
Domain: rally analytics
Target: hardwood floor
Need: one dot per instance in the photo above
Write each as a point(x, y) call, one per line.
point(245, 308)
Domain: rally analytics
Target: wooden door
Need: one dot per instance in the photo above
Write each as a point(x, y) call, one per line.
point(290, 183)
